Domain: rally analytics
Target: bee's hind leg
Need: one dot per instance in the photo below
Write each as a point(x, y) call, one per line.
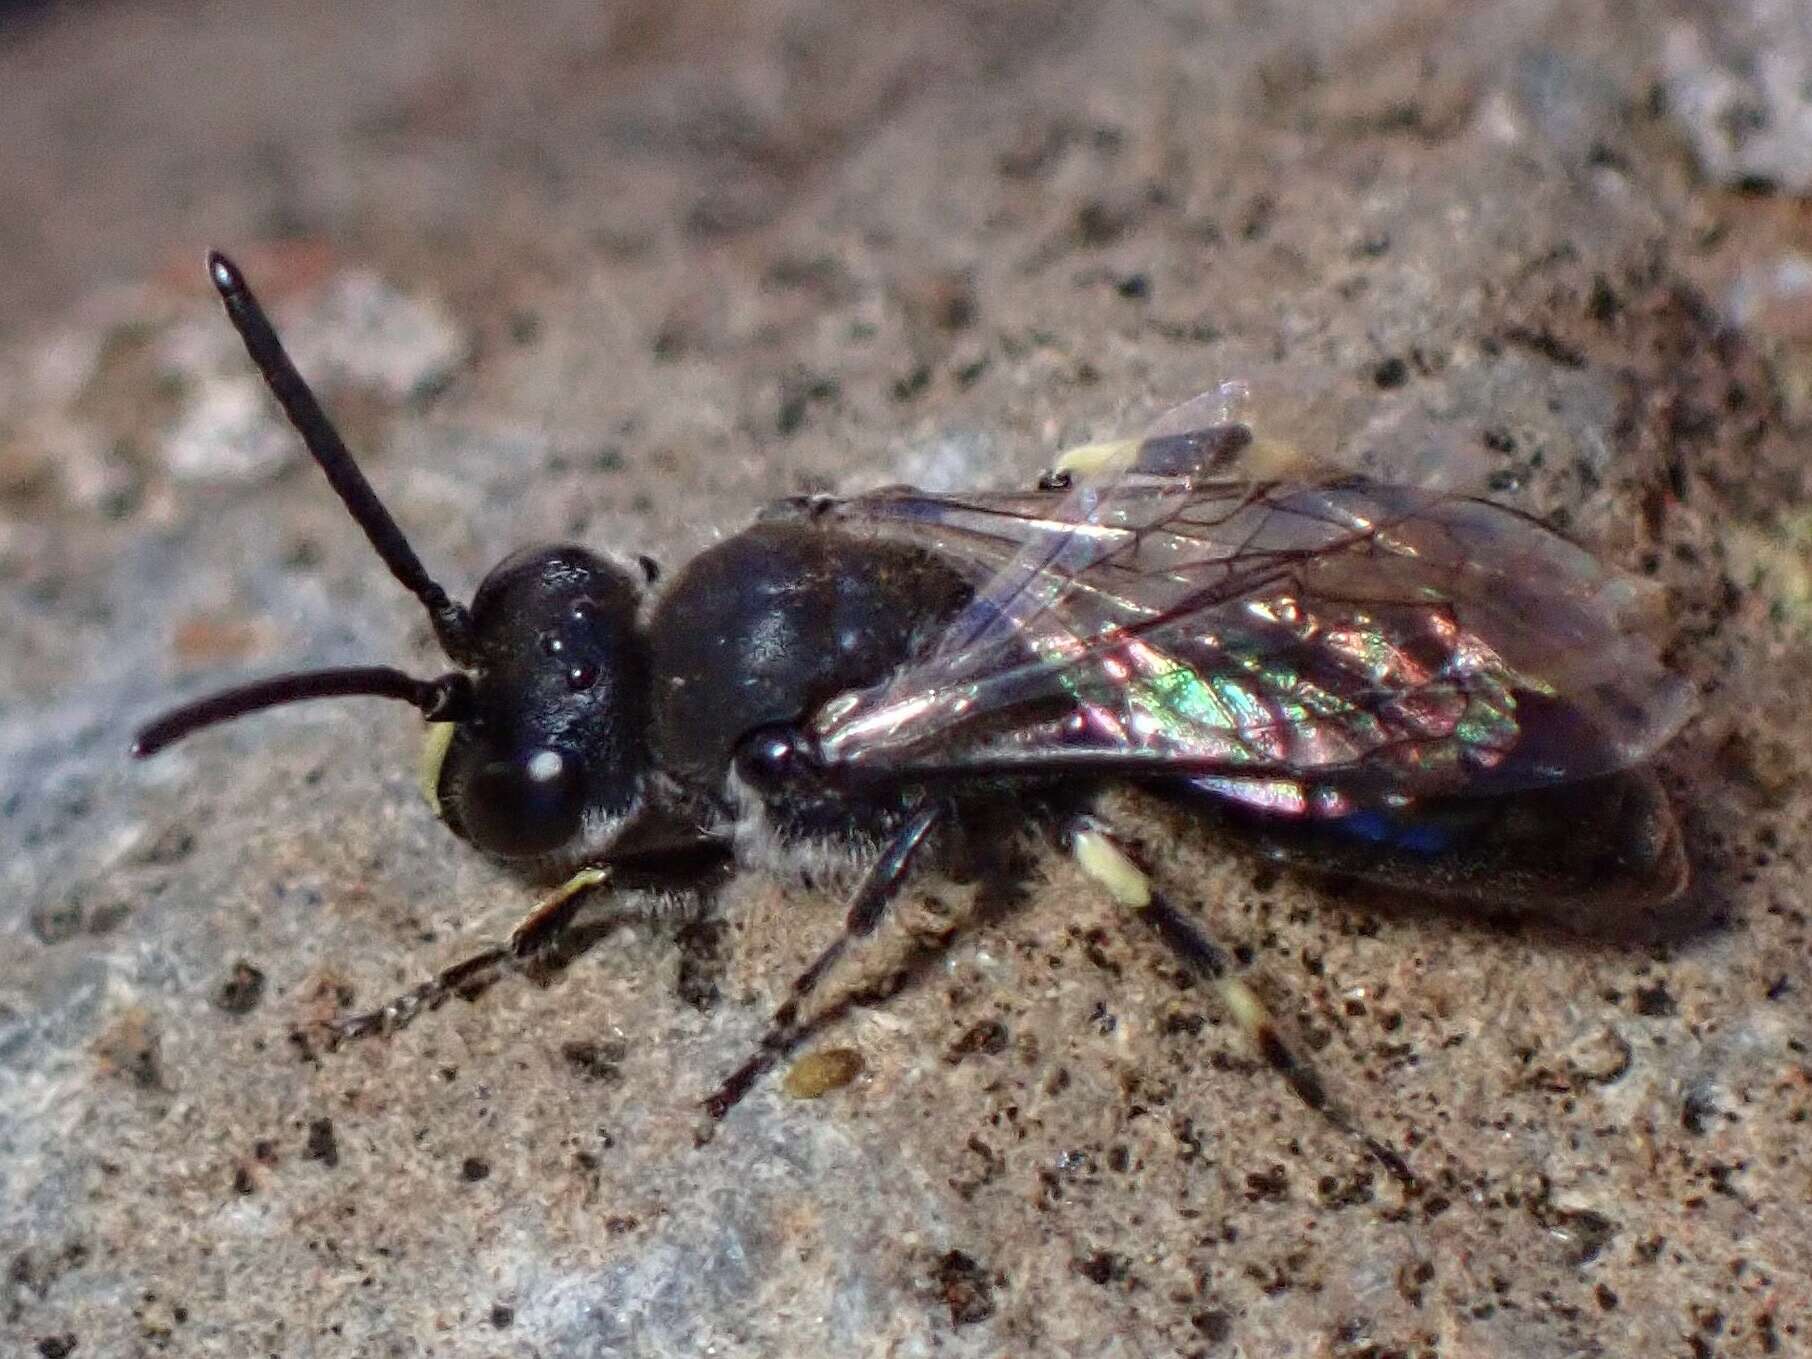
point(1101, 857)
point(878, 889)
point(532, 936)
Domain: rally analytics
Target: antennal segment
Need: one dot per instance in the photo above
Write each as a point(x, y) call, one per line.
point(446, 699)
point(452, 625)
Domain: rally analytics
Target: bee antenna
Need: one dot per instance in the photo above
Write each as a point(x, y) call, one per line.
point(452, 624)
point(447, 699)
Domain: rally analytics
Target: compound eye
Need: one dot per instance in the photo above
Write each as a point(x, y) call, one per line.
point(531, 804)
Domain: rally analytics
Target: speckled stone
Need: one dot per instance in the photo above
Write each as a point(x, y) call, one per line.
point(646, 266)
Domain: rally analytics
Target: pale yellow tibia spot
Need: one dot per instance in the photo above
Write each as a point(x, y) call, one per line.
point(427, 767)
point(1274, 460)
point(1107, 864)
point(1248, 1010)
point(1086, 460)
point(530, 924)
point(1265, 459)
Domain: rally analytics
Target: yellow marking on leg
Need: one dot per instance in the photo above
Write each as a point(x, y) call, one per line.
point(1127, 883)
point(1086, 460)
point(1264, 459)
point(1102, 859)
point(556, 900)
point(1273, 460)
point(1108, 864)
point(1248, 1010)
point(476, 969)
point(427, 766)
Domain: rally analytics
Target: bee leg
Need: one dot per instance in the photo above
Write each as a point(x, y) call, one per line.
point(532, 935)
point(1102, 859)
point(880, 885)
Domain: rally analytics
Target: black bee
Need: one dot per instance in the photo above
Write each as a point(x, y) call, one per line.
point(1424, 690)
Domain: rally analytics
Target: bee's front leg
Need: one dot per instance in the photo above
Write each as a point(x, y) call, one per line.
point(532, 936)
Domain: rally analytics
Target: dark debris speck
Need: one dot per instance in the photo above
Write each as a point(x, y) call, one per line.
point(913, 383)
point(1213, 1326)
point(1696, 1112)
point(322, 1145)
point(703, 958)
point(1103, 1267)
point(1390, 373)
point(1603, 305)
point(240, 990)
point(1099, 222)
point(1544, 342)
point(600, 1062)
point(988, 1038)
point(1268, 1185)
point(799, 392)
point(965, 1287)
point(57, 922)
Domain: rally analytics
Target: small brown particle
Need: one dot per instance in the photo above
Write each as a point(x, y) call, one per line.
point(819, 1073)
point(965, 1287)
point(988, 1038)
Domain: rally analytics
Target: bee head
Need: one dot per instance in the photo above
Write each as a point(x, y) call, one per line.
point(537, 743)
point(550, 753)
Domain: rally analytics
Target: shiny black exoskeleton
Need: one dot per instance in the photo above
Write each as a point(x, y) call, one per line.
point(588, 718)
point(592, 727)
point(760, 630)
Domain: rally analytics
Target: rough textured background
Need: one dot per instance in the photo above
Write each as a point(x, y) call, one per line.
point(623, 271)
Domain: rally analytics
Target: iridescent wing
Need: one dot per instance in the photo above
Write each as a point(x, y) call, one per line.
point(1289, 644)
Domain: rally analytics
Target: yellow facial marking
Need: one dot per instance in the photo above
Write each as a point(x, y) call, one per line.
point(434, 753)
